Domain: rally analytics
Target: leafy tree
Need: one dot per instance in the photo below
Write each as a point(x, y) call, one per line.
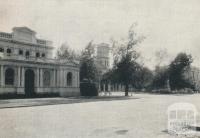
point(125, 56)
point(160, 78)
point(111, 76)
point(88, 69)
point(176, 72)
point(142, 78)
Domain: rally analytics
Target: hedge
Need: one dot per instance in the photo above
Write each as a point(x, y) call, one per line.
point(88, 89)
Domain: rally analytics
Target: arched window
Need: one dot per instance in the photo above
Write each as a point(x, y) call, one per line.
point(1, 50)
point(27, 53)
point(69, 79)
point(46, 78)
point(21, 52)
point(37, 54)
point(9, 76)
point(43, 55)
point(9, 51)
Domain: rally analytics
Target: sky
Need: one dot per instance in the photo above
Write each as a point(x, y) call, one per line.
point(168, 25)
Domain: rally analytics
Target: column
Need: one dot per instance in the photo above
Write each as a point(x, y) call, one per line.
point(2, 76)
point(122, 87)
point(22, 79)
point(118, 87)
point(104, 87)
point(78, 80)
point(19, 77)
point(58, 78)
point(109, 87)
point(38, 77)
point(56, 72)
point(99, 87)
point(54, 78)
point(63, 78)
point(60, 75)
point(73, 79)
point(41, 77)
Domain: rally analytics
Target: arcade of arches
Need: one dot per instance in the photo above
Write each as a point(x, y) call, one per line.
point(32, 80)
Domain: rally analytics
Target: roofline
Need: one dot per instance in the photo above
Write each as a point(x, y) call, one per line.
point(42, 63)
point(24, 27)
point(30, 44)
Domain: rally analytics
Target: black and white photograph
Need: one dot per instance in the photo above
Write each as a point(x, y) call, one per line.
point(99, 68)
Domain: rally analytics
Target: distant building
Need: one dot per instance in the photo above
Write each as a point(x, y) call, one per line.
point(103, 60)
point(193, 75)
point(103, 64)
point(27, 67)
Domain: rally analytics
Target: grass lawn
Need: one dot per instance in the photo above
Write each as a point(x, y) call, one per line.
point(143, 116)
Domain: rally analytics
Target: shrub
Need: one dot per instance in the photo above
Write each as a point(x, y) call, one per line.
point(88, 89)
point(186, 91)
point(162, 91)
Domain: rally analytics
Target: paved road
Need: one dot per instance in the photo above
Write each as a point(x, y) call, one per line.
point(141, 117)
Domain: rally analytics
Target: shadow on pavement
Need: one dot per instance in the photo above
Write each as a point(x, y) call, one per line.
point(17, 103)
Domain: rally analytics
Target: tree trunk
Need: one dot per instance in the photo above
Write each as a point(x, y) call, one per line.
point(126, 90)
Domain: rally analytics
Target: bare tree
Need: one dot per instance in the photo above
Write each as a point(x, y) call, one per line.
point(161, 56)
point(65, 52)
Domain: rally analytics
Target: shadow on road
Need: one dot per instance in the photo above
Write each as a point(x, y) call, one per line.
point(16, 103)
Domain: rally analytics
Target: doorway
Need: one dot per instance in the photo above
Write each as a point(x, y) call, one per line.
point(29, 83)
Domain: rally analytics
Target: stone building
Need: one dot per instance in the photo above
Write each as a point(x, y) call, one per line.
point(103, 64)
point(103, 60)
point(27, 66)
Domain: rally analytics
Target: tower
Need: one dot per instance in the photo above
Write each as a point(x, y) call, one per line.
point(103, 57)
point(103, 64)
